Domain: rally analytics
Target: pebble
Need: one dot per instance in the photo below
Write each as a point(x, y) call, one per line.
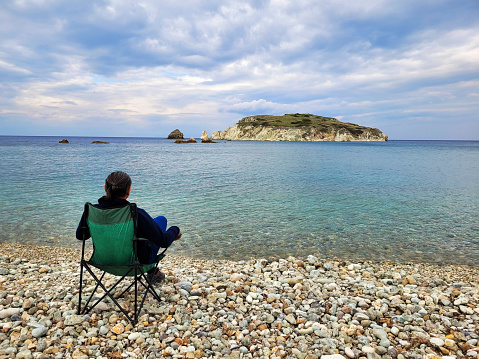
point(308, 308)
point(39, 330)
point(367, 349)
point(134, 336)
point(24, 354)
point(235, 277)
point(349, 352)
point(118, 328)
point(438, 342)
point(8, 312)
point(73, 319)
point(186, 286)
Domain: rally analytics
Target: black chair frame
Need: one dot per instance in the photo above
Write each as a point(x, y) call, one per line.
point(139, 276)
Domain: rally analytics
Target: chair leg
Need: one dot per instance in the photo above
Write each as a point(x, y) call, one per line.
point(148, 290)
point(83, 264)
point(81, 285)
point(136, 295)
point(92, 294)
point(149, 287)
point(139, 276)
point(107, 293)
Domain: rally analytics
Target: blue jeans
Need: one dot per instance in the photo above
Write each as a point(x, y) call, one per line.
point(162, 222)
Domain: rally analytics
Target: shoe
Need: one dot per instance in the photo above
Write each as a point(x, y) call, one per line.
point(155, 276)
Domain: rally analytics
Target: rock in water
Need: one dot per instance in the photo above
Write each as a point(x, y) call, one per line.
point(191, 140)
point(204, 135)
point(205, 138)
point(176, 135)
point(63, 141)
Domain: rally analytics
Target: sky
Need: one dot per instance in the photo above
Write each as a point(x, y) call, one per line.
point(147, 67)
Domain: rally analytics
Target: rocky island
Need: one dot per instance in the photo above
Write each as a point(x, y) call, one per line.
point(297, 127)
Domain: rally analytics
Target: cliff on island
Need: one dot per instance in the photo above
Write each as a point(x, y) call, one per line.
point(297, 127)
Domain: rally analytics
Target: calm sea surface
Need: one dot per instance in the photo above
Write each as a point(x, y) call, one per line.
point(394, 201)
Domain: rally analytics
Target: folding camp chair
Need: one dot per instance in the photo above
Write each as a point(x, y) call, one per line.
point(114, 236)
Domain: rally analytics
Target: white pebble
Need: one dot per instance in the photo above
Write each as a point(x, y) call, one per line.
point(349, 352)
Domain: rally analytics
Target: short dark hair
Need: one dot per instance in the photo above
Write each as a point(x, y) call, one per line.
point(117, 184)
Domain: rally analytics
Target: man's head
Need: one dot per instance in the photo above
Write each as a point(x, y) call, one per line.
point(117, 185)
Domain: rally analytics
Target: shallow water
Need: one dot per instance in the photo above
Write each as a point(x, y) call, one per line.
point(394, 201)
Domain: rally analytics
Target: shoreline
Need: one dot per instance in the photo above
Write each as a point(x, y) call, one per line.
point(276, 308)
point(44, 252)
point(177, 251)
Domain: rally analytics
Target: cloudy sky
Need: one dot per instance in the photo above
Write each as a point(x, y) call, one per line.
point(147, 67)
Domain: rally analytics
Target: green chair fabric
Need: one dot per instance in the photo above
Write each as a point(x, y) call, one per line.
point(113, 234)
point(113, 228)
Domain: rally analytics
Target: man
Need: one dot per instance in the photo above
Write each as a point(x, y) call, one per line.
point(117, 190)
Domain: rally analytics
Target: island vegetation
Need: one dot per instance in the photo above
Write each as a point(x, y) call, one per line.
point(298, 127)
point(306, 120)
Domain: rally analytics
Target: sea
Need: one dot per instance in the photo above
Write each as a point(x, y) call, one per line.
point(396, 201)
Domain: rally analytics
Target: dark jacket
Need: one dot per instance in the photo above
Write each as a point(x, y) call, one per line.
point(147, 228)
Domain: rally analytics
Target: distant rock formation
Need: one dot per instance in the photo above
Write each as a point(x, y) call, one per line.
point(175, 135)
point(191, 140)
point(63, 141)
point(205, 138)
point(297, 127)
point(100, 142)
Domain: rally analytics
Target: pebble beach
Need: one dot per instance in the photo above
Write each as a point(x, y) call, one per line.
point(262, 308)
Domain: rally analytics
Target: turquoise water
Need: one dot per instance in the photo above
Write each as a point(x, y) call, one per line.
point(394, 201)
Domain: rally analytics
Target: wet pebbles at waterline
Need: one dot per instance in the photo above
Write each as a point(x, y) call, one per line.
point(286, 308)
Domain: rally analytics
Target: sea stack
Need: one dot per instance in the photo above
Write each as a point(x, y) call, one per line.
point(205, 138)
point(176, 135)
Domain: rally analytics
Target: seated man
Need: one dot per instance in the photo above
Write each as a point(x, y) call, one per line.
point(117, 188)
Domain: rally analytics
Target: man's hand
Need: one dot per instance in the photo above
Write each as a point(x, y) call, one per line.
point(179, 236)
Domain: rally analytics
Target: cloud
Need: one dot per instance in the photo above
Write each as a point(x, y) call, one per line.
point(205, 65)
point(7, 67)
point(256, 106)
